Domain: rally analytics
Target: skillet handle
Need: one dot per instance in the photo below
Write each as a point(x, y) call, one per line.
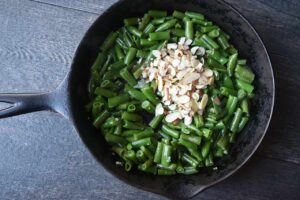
point(24, 103)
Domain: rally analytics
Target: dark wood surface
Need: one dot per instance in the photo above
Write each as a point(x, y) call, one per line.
point(41, 155)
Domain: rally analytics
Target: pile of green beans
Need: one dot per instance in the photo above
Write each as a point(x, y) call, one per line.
point(125, 116)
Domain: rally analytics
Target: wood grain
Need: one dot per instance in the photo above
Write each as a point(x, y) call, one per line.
point(271, 26)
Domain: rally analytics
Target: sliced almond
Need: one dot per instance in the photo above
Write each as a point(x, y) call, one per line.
point(172, 117)
point(172, 46)
point(183, 99)
point(203, 102)
point(159, 110)
point(156, 53)
point(187, 120)
point(207, 72)
point(181, 40)
point(190, 77)
point(188, 42)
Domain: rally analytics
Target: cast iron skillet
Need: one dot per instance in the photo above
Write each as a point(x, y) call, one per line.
point(71, 96)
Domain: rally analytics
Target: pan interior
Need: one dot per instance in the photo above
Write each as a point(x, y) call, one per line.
point(246, 41)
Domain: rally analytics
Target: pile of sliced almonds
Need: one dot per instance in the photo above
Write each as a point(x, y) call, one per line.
point(180, 78)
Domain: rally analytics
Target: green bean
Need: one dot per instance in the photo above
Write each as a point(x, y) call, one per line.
point(215, 54)
point(209, 160)
point(131, 117)
point(117, 100)
point(118, 129)
point(244, 74)
point(214, 33)
point(236, 120)
point(149, 29)
point(178, 14)
point(142, 54)
point(110, 122)
point(130, 55)
point(141, 142)
point(97, 108)
point(147, 152)
point(242, 62)
point(131, 108)
point(156, 121)
point(146, 105)
point(187, 144)
point(159, 36)
point(245, 86)
point(149, 94)
point(131, 21)
point(190, 170)
point(166, 172)
point(190, 160)
point(231, 64)
point(121, 43)
point(189, 30)
point(194, 15)
point(201, 22)
point(140, 155)
point(133, 125)
point(228, 91)
point(108, 42)
point(148, 132)
point(223, 143)
point(157, 13)
point(111, 138)
point(128, 165)
point(99, 61)
point(133, 93)
point(126, 75)
point(205, 149)
point(104, 92)
point(138, 73)
point(144, 22)
point(158, 152)
point(191, 138)
point(166, 25)
point(195, 129)
point(166, 155)
point(207, 133)
point(178, 32)
point(242, 123)
point(223, 42)
point(173, 133)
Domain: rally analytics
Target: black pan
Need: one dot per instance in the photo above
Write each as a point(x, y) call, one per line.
point(71, 96)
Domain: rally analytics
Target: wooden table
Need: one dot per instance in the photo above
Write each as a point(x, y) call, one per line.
point(41, 155)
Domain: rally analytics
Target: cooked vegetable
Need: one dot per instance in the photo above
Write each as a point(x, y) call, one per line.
point(170, 93)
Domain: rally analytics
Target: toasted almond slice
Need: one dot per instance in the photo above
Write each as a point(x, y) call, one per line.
point(183, 99)
point(200, 51)
point(172, 117)
point(159, 110)
point(187, 120)
point(195, 96)
point(181, 40)
point(172, 107)
point(203, 102)
point(175, 62)
point(190, 77)
point(194, 105)
point(207, 72)
point(172, 46)
point(188, 42)
point(194, 50)
point(156, 53)
point(159, 83)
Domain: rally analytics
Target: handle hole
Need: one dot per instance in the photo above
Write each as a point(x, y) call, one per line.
point(4, 106)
